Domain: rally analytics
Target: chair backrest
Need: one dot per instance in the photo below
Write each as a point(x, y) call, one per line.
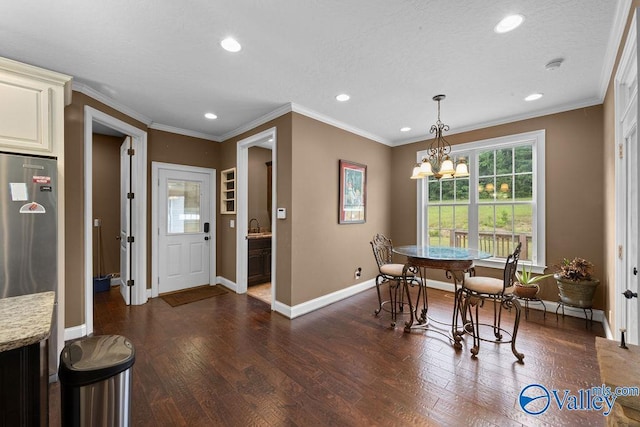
point(511, 266)
point(382, 249)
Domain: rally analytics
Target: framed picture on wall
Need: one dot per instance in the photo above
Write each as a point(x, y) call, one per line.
point(353, 193)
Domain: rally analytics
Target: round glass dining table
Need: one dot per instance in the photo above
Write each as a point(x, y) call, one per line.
point(455, 261)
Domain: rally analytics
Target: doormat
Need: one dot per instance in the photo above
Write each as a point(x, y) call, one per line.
point(175, 299)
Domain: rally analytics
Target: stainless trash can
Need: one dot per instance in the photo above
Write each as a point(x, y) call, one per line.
point(95, 381)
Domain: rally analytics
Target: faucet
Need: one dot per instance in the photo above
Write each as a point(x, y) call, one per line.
point(257, 223)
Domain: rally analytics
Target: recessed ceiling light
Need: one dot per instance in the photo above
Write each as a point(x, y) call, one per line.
point(230, 44)
point(343, 97)
point(405, 129)
point(533, 97)
point(508, 23)
point(211, 116)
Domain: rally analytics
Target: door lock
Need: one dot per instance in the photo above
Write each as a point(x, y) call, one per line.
point(206, 237)
point(635, 271)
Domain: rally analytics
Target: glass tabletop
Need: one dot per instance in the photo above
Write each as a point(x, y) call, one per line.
point(441, 253)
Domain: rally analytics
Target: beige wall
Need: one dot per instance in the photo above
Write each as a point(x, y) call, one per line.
point(106, 203)
point(325, 254)
point(257, 197)
point(574, 194)
point(608, 164)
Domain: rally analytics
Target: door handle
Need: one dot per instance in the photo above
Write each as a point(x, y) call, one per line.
point(628, 294)
point(206, 237)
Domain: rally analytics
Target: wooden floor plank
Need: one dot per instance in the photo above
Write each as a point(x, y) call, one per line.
point(230, 361)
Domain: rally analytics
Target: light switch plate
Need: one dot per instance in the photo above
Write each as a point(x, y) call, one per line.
point(232, 223)
point(281, 213)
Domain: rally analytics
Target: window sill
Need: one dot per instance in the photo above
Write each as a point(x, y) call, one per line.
point(499, 264)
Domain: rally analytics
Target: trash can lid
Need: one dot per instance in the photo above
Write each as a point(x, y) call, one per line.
point(94, 359)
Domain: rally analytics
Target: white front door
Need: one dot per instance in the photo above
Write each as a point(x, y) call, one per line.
point(184, 230)
point(125, 220)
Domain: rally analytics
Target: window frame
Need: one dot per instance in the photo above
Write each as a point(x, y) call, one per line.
point(471, 151)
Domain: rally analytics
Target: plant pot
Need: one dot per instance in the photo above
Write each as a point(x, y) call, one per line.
point(577, 293)
point(528, 291)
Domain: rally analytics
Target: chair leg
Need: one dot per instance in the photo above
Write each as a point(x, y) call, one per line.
point(516, 323)
point(457, 313)
point(393, 293)
point(475, 326)
point(379, 309)
point(497, 319)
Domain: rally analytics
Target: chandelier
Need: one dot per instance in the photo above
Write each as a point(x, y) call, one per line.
point(437, 163)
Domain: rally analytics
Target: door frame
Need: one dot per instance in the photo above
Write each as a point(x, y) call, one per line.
point(155, 251)
point(242, 214)
point(138, 214)
point(628, 61)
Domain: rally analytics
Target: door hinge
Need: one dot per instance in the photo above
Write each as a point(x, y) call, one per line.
point(131, 151)
point(620, 152)
point(130, 239)
point(130, 196)
point(130, 282)
point(620, 251)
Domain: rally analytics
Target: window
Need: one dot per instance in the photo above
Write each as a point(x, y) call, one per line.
point(498, 205)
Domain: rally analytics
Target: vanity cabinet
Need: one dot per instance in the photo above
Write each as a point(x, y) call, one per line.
point(32, 109)
point(259, 260)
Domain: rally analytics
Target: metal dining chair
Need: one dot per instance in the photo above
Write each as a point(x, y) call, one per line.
point(476, 290)
point(391, 273)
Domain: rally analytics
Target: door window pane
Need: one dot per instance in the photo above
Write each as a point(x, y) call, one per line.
point(183, 207)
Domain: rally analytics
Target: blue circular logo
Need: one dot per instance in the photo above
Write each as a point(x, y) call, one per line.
point(535, 399)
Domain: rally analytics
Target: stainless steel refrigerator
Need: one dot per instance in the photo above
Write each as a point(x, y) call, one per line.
point(28, 231)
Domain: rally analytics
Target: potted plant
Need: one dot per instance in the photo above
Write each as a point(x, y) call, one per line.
point(527, 284)
point(575, 283)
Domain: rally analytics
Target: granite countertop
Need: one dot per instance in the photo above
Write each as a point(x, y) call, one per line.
point(25, 320)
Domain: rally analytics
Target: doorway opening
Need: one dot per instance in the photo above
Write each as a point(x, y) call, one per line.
point(138, 221)
point(256, 226)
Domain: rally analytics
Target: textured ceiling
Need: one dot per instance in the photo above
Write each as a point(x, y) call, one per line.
point(162, 59)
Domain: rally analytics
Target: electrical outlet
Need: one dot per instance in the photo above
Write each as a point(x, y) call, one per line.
point(358, 273)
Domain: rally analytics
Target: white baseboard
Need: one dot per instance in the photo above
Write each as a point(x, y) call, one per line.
point(75, 332)
point(227, 283)
point(552, 306)
point(316, 303)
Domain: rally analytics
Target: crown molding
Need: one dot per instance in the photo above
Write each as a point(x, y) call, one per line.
point(110, 102)
point(590, 102)
point(280, 111)
point(293, 107)
point(185, 132)
point(623, 7)
point(338, 124)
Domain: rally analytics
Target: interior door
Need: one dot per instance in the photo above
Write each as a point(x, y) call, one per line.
point(633, 206)
point(184, 229)
point(125, 220)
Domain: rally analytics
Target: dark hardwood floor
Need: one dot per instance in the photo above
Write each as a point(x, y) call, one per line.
point(230, 361)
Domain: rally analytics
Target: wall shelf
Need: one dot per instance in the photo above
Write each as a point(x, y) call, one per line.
point(228, 191)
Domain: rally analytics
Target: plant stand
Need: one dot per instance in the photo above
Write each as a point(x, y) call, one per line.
point(535, 300)
point(589, 319)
